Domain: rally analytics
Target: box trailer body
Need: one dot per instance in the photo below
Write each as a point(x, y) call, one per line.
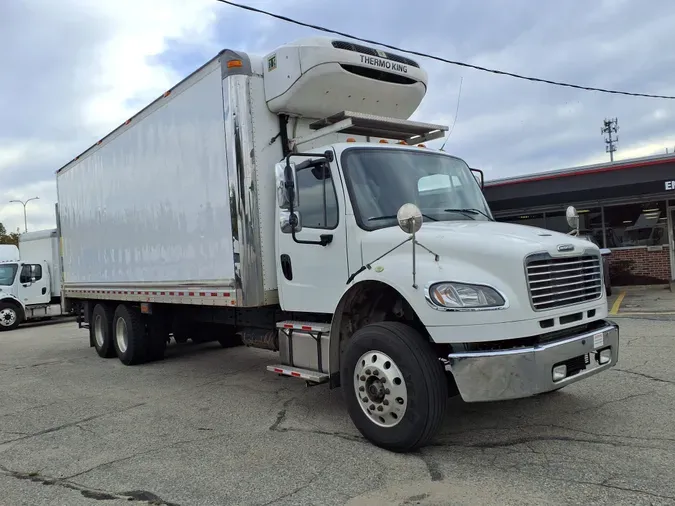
point(277, 202)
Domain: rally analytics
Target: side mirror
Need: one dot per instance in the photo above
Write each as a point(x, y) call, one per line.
point(479, 177)
point(572, 219)
point(286, 222)
point(409, 218)
point(285, 191)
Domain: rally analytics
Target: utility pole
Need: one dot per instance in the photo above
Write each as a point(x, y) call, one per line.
point(609, 127)
point(23, 203)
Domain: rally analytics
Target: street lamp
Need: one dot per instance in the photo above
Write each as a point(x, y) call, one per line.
point(22, 202)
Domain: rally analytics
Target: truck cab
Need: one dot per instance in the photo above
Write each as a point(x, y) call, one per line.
point(26, 285)
point(22, 287)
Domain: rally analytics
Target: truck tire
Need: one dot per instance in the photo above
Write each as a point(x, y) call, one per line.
point(100, 328)
point(10, 316)
point(394, 386)
point(130, 336)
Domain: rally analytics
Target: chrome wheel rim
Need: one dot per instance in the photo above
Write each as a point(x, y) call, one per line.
point(98, 330)
point(7, 317)
point(380, 389)
point(121, 335)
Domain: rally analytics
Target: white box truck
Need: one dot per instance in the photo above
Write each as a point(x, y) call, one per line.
point(286, 202)
point(30, 279)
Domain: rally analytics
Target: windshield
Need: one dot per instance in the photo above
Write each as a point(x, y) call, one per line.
point(380, 181)
point(7, 274)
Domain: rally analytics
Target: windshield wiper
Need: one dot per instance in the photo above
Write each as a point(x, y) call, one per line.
point(393, 216)
point(468, 212)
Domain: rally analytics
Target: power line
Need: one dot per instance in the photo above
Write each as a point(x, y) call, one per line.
point(441, 59)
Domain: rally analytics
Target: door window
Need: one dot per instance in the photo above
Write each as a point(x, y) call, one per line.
point(317, 198)
point(30, 271)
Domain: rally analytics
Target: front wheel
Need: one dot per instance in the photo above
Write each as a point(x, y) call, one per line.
point(9, 316)
point(394, 385)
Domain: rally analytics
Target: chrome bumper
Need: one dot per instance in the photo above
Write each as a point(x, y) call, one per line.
point(523, 372)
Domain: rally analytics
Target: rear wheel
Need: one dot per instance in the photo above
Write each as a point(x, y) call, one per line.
point(130, 335)
point(101, 331)
point(394, 385)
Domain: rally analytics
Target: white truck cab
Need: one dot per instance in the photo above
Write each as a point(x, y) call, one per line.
point(29, 290)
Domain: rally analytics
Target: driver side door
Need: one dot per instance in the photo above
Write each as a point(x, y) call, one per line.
point(311, 276)
point(34, 284)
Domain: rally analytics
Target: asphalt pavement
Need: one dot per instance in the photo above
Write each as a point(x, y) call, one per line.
point(209, 426)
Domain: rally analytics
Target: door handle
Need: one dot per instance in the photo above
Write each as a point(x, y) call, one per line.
point(44, 290)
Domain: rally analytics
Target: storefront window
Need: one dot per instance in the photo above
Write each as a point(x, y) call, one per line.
point(532, 219)
point(636, 225)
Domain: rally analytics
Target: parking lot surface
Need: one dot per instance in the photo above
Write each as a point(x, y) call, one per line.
point(209, 426)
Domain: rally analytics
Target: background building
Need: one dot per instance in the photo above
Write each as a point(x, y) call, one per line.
point(627, 206)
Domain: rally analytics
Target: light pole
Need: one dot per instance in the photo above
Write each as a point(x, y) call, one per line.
point(24, 202)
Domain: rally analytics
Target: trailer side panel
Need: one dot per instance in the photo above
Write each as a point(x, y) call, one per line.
point(151, 204)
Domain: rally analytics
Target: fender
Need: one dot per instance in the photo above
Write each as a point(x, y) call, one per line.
point(367, 289)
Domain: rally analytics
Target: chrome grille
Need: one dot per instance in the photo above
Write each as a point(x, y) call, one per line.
point(557, 282)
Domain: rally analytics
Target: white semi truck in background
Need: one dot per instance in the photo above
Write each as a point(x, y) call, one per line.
point(30, 279)
point(286, 202)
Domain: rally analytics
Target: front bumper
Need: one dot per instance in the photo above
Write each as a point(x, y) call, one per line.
point(523, 372)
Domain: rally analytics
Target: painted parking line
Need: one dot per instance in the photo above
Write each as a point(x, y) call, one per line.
point(617, 303)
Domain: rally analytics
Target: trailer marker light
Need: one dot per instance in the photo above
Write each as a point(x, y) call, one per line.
point(167, 93)
point(384, 141)
point(421, 146)
point(234, 64)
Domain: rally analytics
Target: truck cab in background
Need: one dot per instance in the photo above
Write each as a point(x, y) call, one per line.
point(29, 281)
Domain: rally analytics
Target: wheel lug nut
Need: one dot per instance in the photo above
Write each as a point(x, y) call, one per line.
point(376, 372)
point(368, 372)
point(362, 389)
point(387, 391)
point(385, 402)
point(372, 407)
point(380, 408)
point(365, 399)
point(362, 378)
point(383, 380)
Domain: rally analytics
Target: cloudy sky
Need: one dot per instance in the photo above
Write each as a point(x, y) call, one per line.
point(72, 70)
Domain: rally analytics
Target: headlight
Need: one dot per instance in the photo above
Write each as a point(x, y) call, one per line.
point(462, 295)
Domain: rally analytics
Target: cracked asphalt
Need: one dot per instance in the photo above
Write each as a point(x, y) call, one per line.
point(209, 426)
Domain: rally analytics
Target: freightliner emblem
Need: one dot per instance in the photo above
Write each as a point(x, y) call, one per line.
point(565, 247)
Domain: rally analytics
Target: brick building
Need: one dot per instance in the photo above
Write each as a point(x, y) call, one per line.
point(627, 206)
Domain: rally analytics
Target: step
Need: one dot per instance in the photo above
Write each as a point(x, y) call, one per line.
point(306, 326)
point(296, 372)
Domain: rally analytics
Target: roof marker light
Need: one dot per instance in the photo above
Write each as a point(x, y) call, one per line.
point(234, 64)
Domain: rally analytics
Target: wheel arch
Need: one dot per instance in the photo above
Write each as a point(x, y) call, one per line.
point(368, 301)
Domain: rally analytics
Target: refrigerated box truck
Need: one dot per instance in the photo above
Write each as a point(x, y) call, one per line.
point(287, 202)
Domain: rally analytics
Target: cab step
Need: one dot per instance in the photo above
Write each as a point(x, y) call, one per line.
point(324, 328)
point(296, 372)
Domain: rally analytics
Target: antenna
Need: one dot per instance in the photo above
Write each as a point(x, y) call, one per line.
point(609, 127)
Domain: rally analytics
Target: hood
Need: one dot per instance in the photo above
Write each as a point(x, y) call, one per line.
point(489, 238)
